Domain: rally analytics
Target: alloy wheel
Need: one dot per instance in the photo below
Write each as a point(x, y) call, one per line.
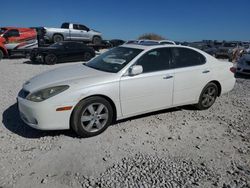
point(94, 117)
point(209, 96)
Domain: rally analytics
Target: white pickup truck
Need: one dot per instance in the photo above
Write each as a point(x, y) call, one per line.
point(70, 31)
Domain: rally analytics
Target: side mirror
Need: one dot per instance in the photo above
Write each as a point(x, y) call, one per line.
point(135, 70)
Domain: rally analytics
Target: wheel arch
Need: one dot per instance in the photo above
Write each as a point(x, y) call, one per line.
point(102, 96)
point(5, 53)
point(96, 36)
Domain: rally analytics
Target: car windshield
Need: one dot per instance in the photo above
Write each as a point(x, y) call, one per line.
point(114, 60)
point(2, 30)
point(58, 44)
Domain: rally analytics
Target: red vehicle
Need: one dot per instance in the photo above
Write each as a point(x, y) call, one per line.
point(13, 39)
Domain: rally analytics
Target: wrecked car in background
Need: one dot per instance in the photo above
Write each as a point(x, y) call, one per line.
point(204, 46)
point(15, 41)
point(243, 65)
point(65, 51)
point(227, 49)
point(75, 32)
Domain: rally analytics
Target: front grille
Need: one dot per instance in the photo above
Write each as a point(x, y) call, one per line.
point(23, 94)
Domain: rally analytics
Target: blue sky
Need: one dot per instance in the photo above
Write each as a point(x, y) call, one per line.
point(189, 20)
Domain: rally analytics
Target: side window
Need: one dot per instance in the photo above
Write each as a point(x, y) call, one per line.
point(13, 33)
point(155, 60)
point(82, 27)
point(75, 26)
point(184, 57)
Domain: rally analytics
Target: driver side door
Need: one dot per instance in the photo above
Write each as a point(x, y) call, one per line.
point(79, 32)
point(153, 89)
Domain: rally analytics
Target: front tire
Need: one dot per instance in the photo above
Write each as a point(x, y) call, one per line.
point(87, 56)
point(50, 59)
point(91, 116)
point(97, 40)
point(207, 96)
point(1, 55)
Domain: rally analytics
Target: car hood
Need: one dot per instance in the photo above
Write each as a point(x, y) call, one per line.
point(68, 75)
point(96, 32)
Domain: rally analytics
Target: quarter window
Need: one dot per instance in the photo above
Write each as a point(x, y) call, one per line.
point(184, 57)
point(155, 60)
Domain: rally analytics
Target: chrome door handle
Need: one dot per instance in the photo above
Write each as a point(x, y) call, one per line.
point(206, 71)
point(168, 77)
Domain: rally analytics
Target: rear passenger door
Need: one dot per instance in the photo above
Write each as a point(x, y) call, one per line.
point(191, 74)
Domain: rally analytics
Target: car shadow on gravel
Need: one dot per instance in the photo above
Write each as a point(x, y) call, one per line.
point(12, 121)
point(155, 113)
point(33, 63)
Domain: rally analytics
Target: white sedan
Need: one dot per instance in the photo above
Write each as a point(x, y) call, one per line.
point(126, 81)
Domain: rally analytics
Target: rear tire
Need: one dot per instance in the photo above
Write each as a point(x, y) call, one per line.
point(91, 116)
point(57, 38)
point(50, 59)
point(1, 55)
point(97, 40)
point(207, 96)
point(87, 56)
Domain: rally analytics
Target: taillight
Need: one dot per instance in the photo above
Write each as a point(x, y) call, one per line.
point(233, 69)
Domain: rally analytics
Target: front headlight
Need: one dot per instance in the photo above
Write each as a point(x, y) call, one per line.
point(44, 94)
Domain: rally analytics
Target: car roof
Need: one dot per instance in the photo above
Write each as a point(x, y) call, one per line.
point(146, 47)
point(18, 28)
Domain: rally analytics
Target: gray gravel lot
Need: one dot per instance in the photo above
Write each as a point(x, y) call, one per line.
point(179, 147)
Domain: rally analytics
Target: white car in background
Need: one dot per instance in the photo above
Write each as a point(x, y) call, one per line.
point(243, 65)
point(125, 81)
point(150, 42)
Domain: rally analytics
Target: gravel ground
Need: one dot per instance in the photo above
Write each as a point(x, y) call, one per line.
point(179, 147)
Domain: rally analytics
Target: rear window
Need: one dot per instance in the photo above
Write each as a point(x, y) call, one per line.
point(184, 57)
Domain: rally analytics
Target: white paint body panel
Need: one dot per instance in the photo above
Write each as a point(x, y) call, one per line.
point(131, 95)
